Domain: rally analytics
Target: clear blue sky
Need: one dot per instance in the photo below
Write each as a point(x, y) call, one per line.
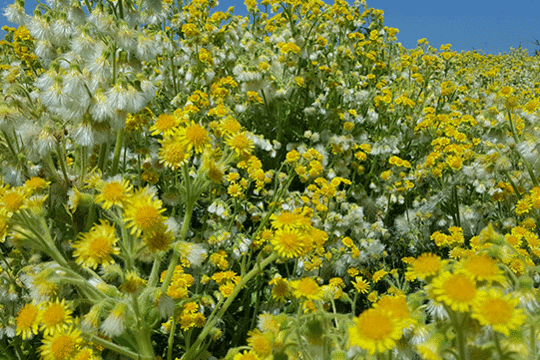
point(492, 26)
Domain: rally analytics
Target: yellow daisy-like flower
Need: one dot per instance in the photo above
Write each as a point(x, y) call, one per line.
point(397, 306)
point(61, 346)
point(195, 137)
point(498, 311)
point(86, 354)
point(144, 213)
point(27, 321)
point(425, 266)
point(158, 240)
point(164, 124)
point(289, 220)
point(55, 317)
point(97, 246)
point(280, 289)
point(113, 192)
point(307, 288)
point(375, 330)
point(458, 290)
point(260, 343)
point(289, 243)
point(483, 268)
point(36, 183)
point(13, 199)
point(361, 285)
point(246, 355)
point(172, 153)
point(241, 144)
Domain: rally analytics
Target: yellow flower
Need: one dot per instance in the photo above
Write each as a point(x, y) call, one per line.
point(289, 220)
point(260, 343)
point(246, 356)
point(27, 320)
point(61, 345)
point(194, 137)
point(458, 291)
point(113, 192)
point(96, 246)
point(13, 199)
point(498, 311)
point(164, 124)
point(361, 285)
point(143, 212)
point(172, 153)
point(132, 283)
point(425, 266)
point(241, 144)
point(36, 183)
point(378, 275)
point(55, 317)
point(280, 289)
point(159, 239)
point(483, 268)
point(375, 330)
point(306, 287)
point(289, 243)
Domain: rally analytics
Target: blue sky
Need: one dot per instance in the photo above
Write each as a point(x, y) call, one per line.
point(492, 26)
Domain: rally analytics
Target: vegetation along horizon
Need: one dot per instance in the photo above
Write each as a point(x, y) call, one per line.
point(182, 183)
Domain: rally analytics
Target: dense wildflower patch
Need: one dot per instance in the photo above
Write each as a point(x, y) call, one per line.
point(184, 183)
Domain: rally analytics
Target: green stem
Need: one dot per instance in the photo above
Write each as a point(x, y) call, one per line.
point(117, 149)
point(176, 256)
point(219, 315)
point(153, 278)
point(171, 339)
point(102, 156)
point(532, 340)
point(112, 346)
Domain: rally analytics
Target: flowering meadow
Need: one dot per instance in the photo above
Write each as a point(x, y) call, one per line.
point(181, 183)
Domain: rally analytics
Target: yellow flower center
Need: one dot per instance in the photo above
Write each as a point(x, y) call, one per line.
point(280, 288)
point(497, 311)
point(288, 241)
point(165, 122)
point(375, 326)
point(308, 286)
point(13, 201)
point(27, 316)
point(147, 217)
point(113, 191)
point(460, 287)
point(427, 265)
point(62, 347)
point(286, 218)
point(196, 135)
point(100, 247)
point(54, 315)
point(482, 266)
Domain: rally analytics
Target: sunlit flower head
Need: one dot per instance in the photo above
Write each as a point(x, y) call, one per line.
point(55, 317)
point(498, 311)
point(375, 330)
point(458, 290)
point(113, 192)
point(289, 243)
point(195, 137)
point(425, 266)
point(241, 144)
point(61, 345)
point(144, 213)
point(173, 153)
point(97, 246)
point(306, 288)
point(27, 320)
